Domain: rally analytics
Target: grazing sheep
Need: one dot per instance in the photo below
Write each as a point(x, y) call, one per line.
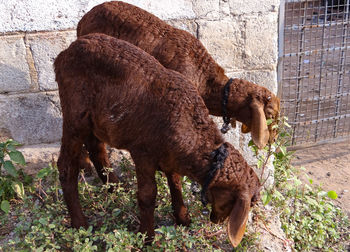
point(113, 92)
point(180, 51)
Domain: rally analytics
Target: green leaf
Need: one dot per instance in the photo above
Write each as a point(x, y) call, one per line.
point(17, 157)
point(13, 142)
point(43, 221)
point(11, 147)
point(266, 198)
point(5, 206)
point(43, 172)
point(287, 124)
point(283, 150)
point(332, 194)
point(321, 194)
point(269, 121)
point(251, 143)
point(311, 201)
point(10, 169)
point(19, 189)
point(278, 195)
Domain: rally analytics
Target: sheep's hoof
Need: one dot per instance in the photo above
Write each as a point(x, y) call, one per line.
point(148, 241)
point(79, 223)
point(185, 222)
point(182, 218)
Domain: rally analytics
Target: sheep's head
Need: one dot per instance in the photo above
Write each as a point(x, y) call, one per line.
point(234, 189)
point(263, 106)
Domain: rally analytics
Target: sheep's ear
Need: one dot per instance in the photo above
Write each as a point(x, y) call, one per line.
point(259, 131)
point(233, 122)
point(245, 128)
point(238, 220)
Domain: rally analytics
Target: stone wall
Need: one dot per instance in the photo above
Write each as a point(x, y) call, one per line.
point(241, 35)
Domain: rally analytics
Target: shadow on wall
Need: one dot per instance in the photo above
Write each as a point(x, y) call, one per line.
point(31, 118)
point(13, 79)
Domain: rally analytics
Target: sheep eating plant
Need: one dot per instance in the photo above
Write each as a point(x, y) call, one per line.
point(113, 92)
point(234, 99)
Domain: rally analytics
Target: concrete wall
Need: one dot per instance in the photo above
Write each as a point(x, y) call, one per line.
point(241, 35)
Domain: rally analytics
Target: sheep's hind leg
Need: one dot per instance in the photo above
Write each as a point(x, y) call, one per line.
point(179, 208)
point(98, 156)
point(70, 161)
point(146, 194)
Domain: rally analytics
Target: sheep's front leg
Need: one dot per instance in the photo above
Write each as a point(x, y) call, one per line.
point(146, 195)
point(98, 156)
point(179, 208)
point(69, 164)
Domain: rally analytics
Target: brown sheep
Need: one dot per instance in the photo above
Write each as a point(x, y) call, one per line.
point(180, 51)
point(113, 92)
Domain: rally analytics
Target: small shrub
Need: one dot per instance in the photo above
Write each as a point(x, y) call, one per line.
point(42, 222)
point(308, 215)
point(11, 178)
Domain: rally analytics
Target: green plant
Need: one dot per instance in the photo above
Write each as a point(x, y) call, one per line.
point(41, 222)
point(308, 215)
point(11, 184)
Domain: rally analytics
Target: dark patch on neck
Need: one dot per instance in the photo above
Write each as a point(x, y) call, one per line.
point(218, 157)
point(225, 117)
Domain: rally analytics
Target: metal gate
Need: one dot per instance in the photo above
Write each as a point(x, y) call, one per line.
point(314, 69)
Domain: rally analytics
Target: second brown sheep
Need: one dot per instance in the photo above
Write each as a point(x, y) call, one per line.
point(113, 92)
point(180, 51)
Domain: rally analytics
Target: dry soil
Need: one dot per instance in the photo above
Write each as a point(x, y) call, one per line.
point(328, 165)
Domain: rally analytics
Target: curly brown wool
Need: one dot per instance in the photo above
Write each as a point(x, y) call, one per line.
point(113, 92)
point(180, 51)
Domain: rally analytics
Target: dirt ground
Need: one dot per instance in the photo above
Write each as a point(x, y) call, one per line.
point(328, 165)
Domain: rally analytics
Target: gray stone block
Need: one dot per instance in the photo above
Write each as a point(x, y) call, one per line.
point(39, 156)
point(14, 70)
point(209, 9)
point(187, 25)
point(242, 43)
point(239, 7)
point(261, 42)
point(223, 40)
point(166, 9)
point(59, 15)
point(266, 78)
point(31, 118)
point(45, 47)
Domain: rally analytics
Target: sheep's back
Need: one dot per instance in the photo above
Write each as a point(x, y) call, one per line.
point(173, 48)
point(122, 87)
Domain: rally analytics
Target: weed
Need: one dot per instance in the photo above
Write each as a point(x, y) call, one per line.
point(11, 184)
point(41, 222)
point(308, 215)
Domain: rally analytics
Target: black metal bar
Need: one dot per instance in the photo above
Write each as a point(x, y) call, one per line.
point(342, 69)
point(321, 69)
point(310, 52)
point(300, 64)
point(321, 120)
